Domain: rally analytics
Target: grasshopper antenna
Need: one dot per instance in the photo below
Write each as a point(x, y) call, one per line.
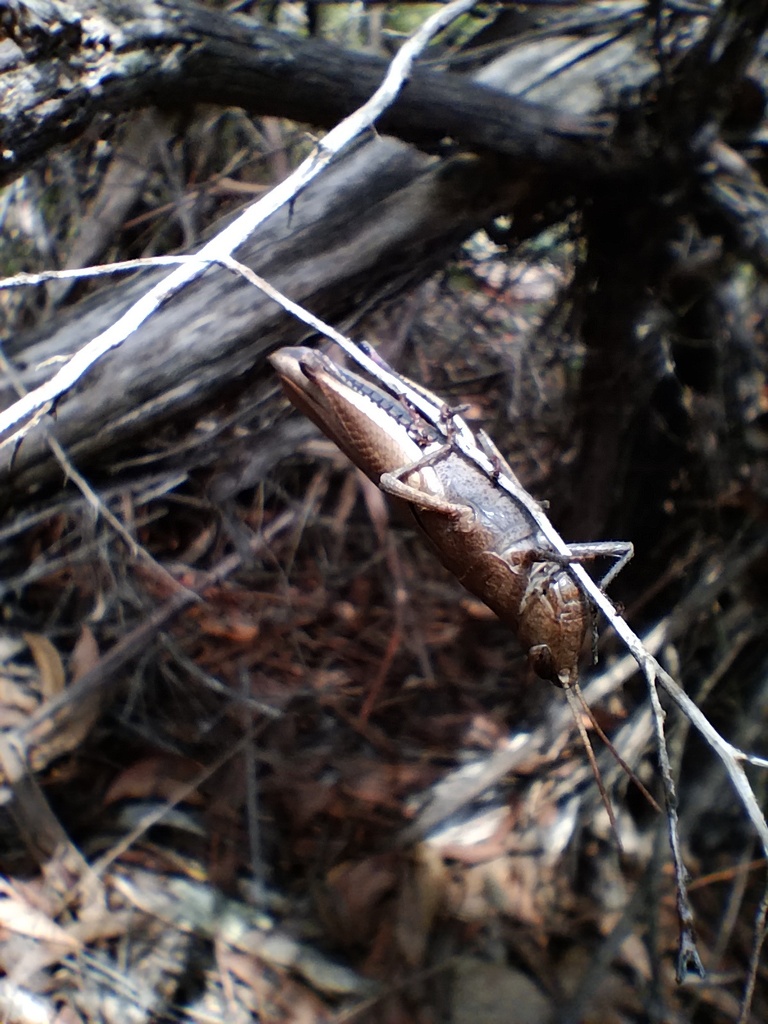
point(616, 755)
point(577, 703)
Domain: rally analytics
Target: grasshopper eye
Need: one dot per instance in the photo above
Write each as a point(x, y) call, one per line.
point(541, 661)
point(309, 371)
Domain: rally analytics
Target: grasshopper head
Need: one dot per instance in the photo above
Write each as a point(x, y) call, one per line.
point(554, 618)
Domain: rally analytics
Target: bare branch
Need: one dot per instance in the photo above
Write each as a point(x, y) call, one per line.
point(236, 233)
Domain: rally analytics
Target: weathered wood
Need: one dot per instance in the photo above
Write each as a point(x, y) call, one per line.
point(368, 226)
point(57, 72)
point(377, 220)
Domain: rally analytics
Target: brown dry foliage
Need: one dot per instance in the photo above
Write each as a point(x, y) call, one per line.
point(220, 835)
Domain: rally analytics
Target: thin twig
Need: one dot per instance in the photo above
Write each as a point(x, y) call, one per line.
point(464, 439)
point(224, 244)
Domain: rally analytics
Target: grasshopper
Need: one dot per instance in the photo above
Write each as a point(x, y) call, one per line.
point(485, 536)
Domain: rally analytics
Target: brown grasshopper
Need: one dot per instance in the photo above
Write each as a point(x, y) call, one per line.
point(487, 538)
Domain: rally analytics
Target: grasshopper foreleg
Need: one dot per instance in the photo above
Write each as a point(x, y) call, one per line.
point(621, 550)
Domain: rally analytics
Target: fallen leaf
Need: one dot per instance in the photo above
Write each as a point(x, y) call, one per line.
point(22, 919)
point(49, 664)
point(85, 654)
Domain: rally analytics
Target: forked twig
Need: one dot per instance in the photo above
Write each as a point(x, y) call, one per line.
point(225, 243)
point(463, 439)
point(219, 250)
